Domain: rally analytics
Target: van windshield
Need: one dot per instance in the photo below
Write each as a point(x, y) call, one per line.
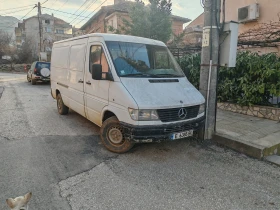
point(142, 60)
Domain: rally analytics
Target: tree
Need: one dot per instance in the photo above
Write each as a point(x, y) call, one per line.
point(152, 21)
point(25, 52)
point(177, 40)
point(5, 41)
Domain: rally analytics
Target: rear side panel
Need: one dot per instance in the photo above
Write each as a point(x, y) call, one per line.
point(68, 63)
point(77, 57)
point(59, 67)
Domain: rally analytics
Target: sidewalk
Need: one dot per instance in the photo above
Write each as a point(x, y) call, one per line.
point(6, 77)
point(252, 136)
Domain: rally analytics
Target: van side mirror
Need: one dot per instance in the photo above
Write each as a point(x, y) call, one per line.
point(96, 71)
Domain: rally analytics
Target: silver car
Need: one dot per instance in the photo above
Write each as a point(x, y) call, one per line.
point(39, 71)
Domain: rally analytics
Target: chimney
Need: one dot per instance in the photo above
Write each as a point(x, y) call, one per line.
point(118, 1)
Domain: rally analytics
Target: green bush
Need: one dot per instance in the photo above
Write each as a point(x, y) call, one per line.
point(252, 82)
point(190, 64)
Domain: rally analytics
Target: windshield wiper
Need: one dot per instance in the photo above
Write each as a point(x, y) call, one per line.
point(169, 75)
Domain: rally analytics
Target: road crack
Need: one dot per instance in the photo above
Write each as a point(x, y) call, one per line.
point(86, 172)
point(6, 138)
point(1, 91)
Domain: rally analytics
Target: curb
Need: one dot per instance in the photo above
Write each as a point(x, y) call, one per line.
point(246, 148)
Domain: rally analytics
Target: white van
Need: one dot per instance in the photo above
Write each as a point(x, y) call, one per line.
point(129, 86)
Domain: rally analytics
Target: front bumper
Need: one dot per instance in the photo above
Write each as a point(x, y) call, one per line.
point(159, 133)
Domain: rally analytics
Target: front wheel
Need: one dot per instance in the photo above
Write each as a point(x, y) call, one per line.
point(112, 136)
point(62, 109)
point(28, 79)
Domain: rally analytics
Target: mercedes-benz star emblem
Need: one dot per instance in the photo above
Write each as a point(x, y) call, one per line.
point(182, 113)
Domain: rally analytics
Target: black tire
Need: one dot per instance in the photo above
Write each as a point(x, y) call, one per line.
point(61, 108)
point(120, 145)
point(28, 79)
point(33, 81)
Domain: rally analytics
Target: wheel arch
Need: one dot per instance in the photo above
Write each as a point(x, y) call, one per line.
point(107, 114)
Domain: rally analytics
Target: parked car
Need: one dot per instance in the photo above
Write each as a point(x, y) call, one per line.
point(39, 71)
point(131, 87)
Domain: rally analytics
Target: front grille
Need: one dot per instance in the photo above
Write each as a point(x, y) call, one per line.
point(172, 115)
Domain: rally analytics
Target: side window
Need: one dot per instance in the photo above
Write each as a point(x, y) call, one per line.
point(97, 56)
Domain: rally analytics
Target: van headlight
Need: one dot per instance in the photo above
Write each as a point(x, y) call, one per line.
point(143, 114)
point(201, 109)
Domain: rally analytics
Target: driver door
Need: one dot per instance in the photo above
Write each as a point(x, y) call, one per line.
point(96, 91)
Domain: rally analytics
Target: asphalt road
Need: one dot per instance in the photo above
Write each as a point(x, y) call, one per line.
point(61, 160)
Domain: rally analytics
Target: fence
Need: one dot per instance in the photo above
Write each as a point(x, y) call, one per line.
point(180, 52)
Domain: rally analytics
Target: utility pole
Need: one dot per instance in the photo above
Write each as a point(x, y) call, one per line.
point(40, 28)
point(210, 62)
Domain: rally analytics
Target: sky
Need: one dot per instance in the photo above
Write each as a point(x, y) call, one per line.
point(185, 8)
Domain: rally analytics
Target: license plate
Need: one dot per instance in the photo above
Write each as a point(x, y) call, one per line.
point(182, 135)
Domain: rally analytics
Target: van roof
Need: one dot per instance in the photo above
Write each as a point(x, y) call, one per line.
point(117, 37)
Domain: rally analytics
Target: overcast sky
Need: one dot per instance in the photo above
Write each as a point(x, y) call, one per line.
point(185, 8)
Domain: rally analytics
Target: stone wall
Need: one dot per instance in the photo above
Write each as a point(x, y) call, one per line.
point(271, 113)
point(15, 68)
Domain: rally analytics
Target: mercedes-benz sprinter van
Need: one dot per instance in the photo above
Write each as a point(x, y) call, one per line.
point(129, 86)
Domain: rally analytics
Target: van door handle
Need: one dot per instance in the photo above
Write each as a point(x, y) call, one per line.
point(88, 83)
point(80, 81)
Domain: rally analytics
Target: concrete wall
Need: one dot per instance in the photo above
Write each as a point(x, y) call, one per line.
point(269, 12)
point(199, 21)
point(177, 26)
point(112, 21)
point(15, 68)
point(271, 113)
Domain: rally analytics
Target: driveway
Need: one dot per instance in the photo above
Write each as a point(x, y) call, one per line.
point(61, 160)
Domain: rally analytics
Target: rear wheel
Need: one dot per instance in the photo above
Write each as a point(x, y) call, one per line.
point(62, 109)
point(112, 136)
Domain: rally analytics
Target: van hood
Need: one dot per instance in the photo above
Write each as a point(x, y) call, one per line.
point(150, 93)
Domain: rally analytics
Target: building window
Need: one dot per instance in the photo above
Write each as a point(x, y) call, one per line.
point(47, 21)
point(48, 30)
point(59, 31)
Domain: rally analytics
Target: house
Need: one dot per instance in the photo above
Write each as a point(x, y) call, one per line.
point(53, 29)
point(113, 15)
point(77, 32)
point(258, 31)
